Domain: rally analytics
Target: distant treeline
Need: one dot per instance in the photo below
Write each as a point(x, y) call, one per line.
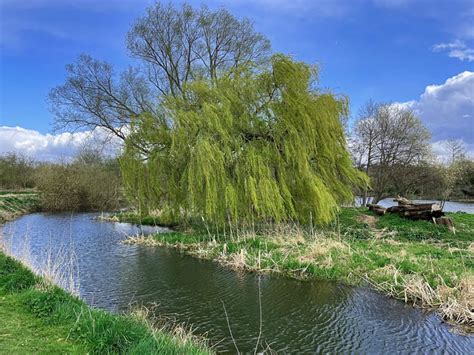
point(426, 180)
point(233, 132)
point(393, 147)
point(88, 183)
point(91, 182)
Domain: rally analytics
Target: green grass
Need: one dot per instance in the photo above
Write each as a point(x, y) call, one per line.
point(401, 257)
point(424, 230)
point(21, 332)
point(13, 204)
point(40, 317)
point(134, 218)
point(345, 259)
point(18, 192)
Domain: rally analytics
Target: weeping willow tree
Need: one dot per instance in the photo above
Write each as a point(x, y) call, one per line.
point(252, 145)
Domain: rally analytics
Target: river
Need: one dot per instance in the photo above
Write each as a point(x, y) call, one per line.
point(297, 316)
point(449, 206)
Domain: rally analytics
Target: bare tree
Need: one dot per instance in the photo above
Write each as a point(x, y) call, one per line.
point(456, 149)
point(180, 44)
point(364, 139)
point(93, 96)
point(388, 139)
point(173, 46)
point(16, 171)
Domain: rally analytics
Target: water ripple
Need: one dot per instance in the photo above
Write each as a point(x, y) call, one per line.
point(298, 317)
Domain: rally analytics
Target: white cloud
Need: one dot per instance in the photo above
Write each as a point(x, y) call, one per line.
point(448, 110)
point(456, 49)
point(51, 147)
point(443, 154)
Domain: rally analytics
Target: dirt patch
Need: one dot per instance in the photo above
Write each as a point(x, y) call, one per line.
point(371, 222)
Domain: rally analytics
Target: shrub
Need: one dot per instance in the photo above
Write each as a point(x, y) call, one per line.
point(79, 186)
point(16, 171)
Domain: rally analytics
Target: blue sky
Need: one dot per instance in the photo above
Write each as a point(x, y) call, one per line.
point(418, 52)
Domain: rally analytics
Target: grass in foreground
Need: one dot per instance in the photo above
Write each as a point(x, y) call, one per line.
point(40, 317)
point(415, 261)
point(22, 332)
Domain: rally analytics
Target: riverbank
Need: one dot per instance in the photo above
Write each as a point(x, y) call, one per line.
point(414, 261)
point(38, 316)
point(16, 203)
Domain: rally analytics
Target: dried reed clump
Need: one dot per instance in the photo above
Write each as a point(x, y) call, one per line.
point(6, 216)
point(159, 324)
point(324, 246)
point(388, 270)
point(237, 261)
point(108, 218)
point(455, 304)
point(321, 249)
point(286, 234)
point(141, 239)
point(471, 247)
point(420, 292)
point(200, 250)
point(460, 308)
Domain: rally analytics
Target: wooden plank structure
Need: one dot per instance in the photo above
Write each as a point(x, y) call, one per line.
point(416, 211)
point(377, 209)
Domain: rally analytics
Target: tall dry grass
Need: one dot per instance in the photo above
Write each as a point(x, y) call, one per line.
point(310, 252)
point(56, 264)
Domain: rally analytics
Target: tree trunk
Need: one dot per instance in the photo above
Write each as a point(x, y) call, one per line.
point(364, 198)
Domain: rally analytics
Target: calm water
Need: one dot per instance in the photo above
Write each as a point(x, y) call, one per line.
point(298, 317)
point(449, 206)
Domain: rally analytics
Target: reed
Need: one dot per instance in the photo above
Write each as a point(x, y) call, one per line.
point(432, 271)
point(72, 326)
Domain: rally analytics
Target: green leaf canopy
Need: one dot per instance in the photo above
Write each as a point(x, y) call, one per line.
point(252, 145)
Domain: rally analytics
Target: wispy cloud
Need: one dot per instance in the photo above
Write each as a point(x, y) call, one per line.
point(13, 29)
point(321, 8)
point(456, 49)
point(70, 21)
point(302, 8)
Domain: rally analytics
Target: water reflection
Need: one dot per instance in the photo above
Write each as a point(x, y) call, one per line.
point(297, 316)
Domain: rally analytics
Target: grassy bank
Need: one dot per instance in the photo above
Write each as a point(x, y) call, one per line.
point(37, 316)
point(414, 261)
point(15, 203)
point(40, 317)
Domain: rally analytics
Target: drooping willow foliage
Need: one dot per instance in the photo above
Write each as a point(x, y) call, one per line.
point(249, 146)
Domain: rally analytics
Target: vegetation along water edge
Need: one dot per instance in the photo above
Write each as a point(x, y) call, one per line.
point(414, 261)
point(38, 316)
